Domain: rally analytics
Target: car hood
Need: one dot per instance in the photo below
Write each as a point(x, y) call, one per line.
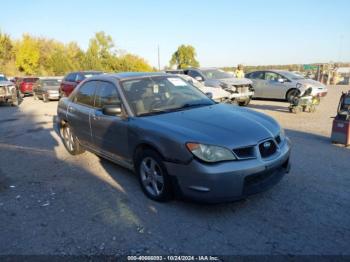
point(220, 124)
point(6, 83)
point(312, 83)
point(236, 81)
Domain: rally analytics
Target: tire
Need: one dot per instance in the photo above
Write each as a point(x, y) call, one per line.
point(70, 141)
point(153, 176)
point(45, 99)
point(291, 94)
point(15, 100)
point(244, 103)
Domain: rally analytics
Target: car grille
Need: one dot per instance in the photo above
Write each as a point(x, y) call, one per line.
point(242, 89)
point(2, 90)
point(245, 152)
point(267, 148)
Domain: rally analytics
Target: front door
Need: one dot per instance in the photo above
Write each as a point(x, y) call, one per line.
point(110, 133)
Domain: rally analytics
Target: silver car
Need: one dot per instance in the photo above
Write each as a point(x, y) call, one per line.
point(174, 137)
point(8, 92)
point(279, 84)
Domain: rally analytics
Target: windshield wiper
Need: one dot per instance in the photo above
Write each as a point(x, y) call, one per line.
point(189, 105)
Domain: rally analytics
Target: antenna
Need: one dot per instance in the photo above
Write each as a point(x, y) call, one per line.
point(158, 59)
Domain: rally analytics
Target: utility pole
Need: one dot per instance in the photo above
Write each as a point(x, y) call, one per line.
point(158, 59)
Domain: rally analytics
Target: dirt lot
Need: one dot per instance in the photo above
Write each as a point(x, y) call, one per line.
point(54, 203)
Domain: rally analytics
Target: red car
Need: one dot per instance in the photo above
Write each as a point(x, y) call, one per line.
point(71, 80)
point(25, 84)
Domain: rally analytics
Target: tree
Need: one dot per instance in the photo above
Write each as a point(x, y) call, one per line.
point(185, 56)
point(6, 47)
point(130, 62)
point(28, 55)
point(99, 53)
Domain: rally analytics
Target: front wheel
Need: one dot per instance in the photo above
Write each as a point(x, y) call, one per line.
point(153, 177)
point(45, 98)
point(70, 141)
point(244, 103)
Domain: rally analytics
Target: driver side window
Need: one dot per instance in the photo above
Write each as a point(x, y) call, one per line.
point(106, 95)
point(271, 76)
point(193, 74)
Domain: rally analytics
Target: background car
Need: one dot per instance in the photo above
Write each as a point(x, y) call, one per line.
point(240, 89)
point(25, 84)
point(47, 89)
point(174, 137)
point(280, 84)
point(71, 80)
point(216, 93)
point(8, 91)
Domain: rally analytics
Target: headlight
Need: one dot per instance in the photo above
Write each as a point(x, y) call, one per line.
point(209, 153)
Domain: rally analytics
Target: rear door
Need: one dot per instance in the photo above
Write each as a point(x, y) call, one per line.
point(273, 88)
point(110, 133)
point(258, 79)
point(79, 111)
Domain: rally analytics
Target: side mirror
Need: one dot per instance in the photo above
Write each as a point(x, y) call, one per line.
point(280, 80)
point(199, 78)
point(112, 110)
point(209, 94)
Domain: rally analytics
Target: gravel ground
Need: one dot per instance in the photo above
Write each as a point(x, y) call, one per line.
point(54, 203)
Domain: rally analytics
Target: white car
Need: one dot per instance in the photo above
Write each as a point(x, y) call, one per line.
point(217, 93)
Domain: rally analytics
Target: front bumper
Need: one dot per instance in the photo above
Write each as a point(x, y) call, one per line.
point(229, 181)
point(53, 95)
point(4, 98)
point(241, 96)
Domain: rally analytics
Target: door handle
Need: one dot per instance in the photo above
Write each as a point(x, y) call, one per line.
point(95, 117)
point(71, 109)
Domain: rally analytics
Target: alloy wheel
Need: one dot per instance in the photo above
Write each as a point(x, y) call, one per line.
point(152, 176)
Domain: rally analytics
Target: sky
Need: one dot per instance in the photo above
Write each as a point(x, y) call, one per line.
point(223, 32)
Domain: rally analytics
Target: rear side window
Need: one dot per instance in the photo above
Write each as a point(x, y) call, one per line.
point(256, 75)
point(106, 94)
point(193, 73)
point(85, 94)
point(71, 77)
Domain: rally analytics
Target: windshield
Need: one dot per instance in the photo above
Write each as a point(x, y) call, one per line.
point(293, 76)
point(50, 82)
point(216, 74)
point(161, 94)
point(3, 78)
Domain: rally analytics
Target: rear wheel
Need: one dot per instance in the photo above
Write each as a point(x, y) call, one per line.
point(153, 177)
point(70, 141)
point(45, 98)
point(15, 99)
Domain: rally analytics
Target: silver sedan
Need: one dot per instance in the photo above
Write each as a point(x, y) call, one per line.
point(279, 84)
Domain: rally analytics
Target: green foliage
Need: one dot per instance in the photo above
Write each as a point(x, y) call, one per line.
point(41, 56)
point(184, 56)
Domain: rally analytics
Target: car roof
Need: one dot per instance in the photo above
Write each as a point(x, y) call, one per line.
point(130, 75)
